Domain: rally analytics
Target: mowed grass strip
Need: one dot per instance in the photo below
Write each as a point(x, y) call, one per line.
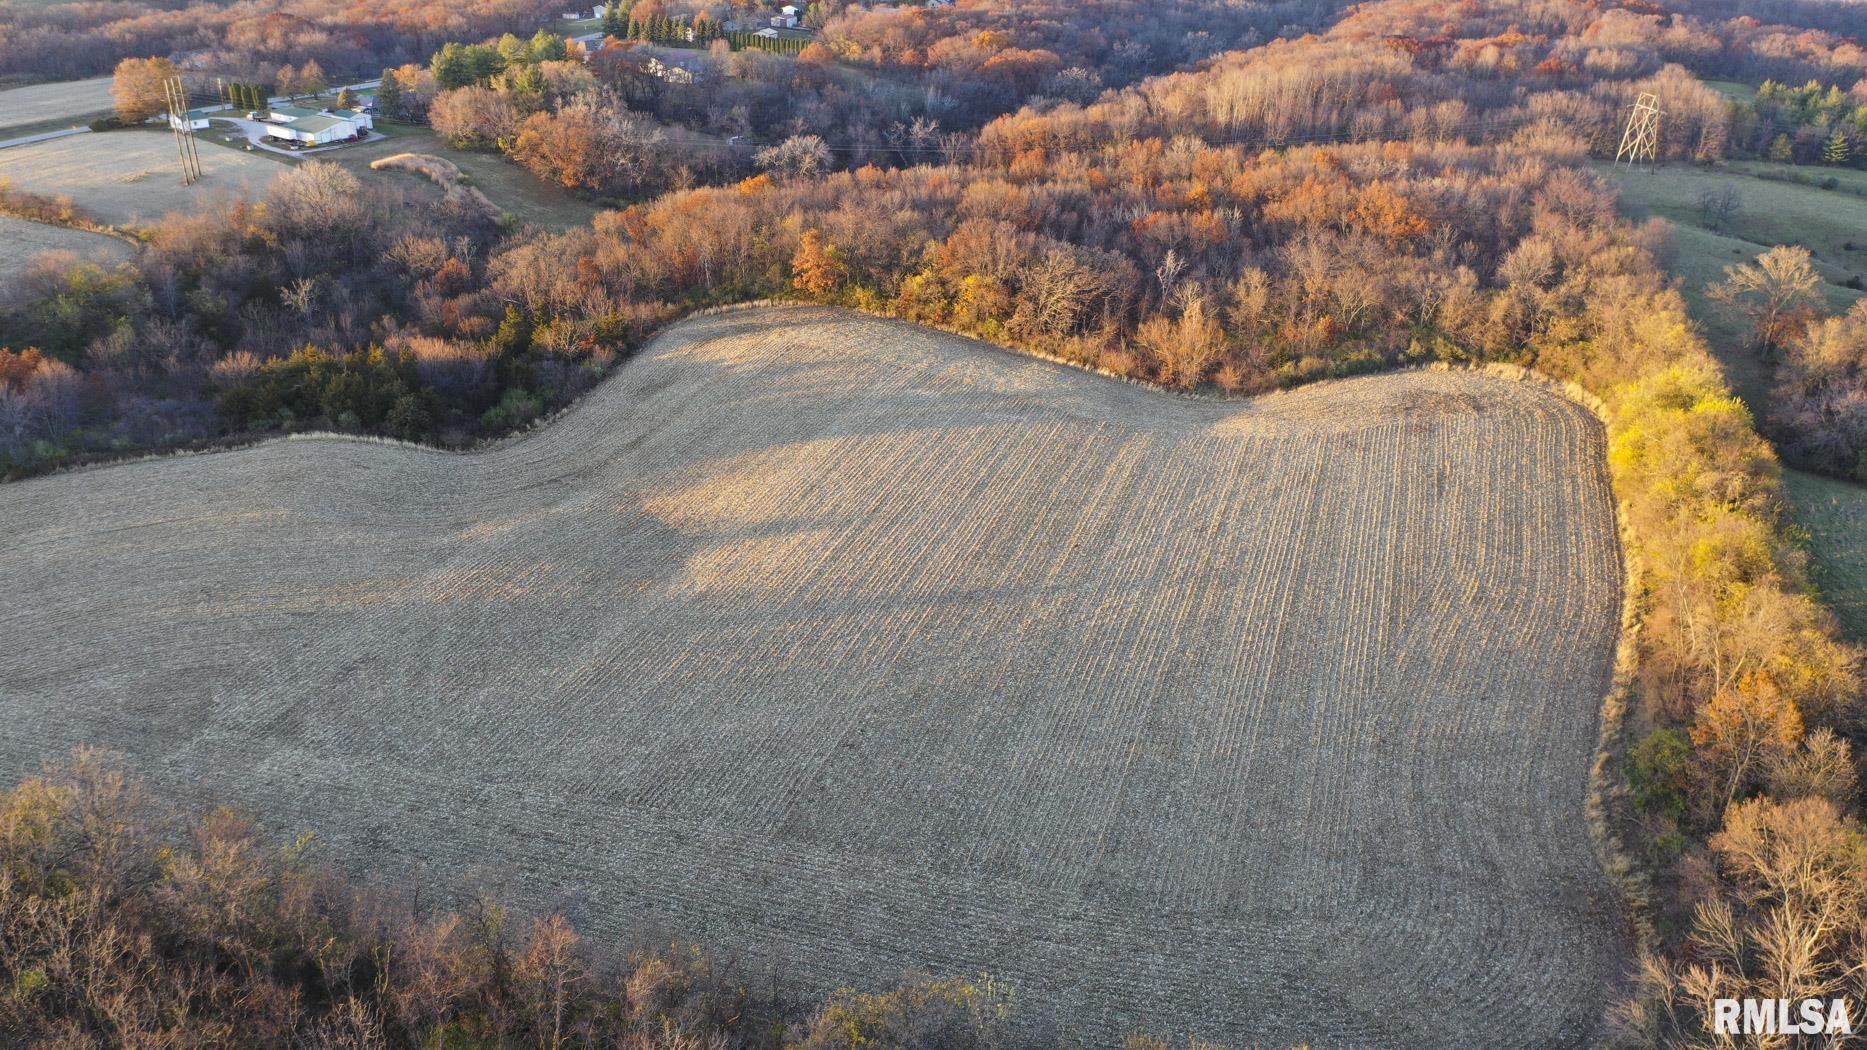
point(856, 647)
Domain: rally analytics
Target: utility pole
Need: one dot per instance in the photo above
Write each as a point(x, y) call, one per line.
point(184, 129)
point(1641, 140)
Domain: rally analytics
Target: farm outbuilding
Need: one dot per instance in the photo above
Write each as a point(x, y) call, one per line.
point(194, 119)
point(316, 127)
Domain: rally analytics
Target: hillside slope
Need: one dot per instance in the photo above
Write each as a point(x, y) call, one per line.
point(858, 647)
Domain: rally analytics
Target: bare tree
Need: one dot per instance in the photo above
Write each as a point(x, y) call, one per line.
point(1186, 346)
point(1778, 294)
point(1719, 204)
point(798, 157)
point(1056, 294)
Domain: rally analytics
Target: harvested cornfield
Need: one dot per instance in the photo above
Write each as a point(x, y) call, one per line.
point(22, 241)
point(856, 647)
point(73, 100)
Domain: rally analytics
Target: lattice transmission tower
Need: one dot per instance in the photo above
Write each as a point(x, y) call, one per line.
point(1641, 140)
point(184, 129)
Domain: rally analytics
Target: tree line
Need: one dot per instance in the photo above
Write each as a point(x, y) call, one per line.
point(129, 920)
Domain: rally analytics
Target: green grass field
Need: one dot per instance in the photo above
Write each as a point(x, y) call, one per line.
point(1832, 224)
point(1781, 205)
point(1847, 180)
point(1736, 90)
point(1835, 515)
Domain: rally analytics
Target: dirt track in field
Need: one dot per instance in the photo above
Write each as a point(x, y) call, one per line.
point(860, 647)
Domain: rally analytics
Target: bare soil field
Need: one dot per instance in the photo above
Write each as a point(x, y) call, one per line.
point(127, 178)
point(74, 100)
point(856, 647)
point(22, 241)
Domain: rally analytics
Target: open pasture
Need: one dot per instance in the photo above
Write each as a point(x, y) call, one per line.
point(857, 647)
point(1834, 513)
point(1832, 224)
point(130, 178)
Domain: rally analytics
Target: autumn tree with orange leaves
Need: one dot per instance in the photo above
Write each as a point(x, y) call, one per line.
point(817, 268)
point(1745, 725)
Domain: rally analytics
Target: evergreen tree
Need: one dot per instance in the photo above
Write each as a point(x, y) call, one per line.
point(1839, 149)
point(389, 95)
point(546, 46)
point(515, 332)
point(450, 67)
point(527, 89)
point(512, 50)
point(1782, 150)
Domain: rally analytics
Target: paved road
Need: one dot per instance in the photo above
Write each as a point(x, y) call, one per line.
point(43, 136)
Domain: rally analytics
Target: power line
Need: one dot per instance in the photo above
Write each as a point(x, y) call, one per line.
point(1641, 140)
point(183, 127)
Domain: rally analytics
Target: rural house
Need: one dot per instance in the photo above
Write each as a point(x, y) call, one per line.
point(316, 127)
point(675, 70)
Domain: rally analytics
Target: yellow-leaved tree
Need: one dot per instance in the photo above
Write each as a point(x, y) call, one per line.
point(138, 88)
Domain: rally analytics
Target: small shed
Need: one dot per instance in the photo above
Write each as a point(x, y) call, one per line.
point(194, 119)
